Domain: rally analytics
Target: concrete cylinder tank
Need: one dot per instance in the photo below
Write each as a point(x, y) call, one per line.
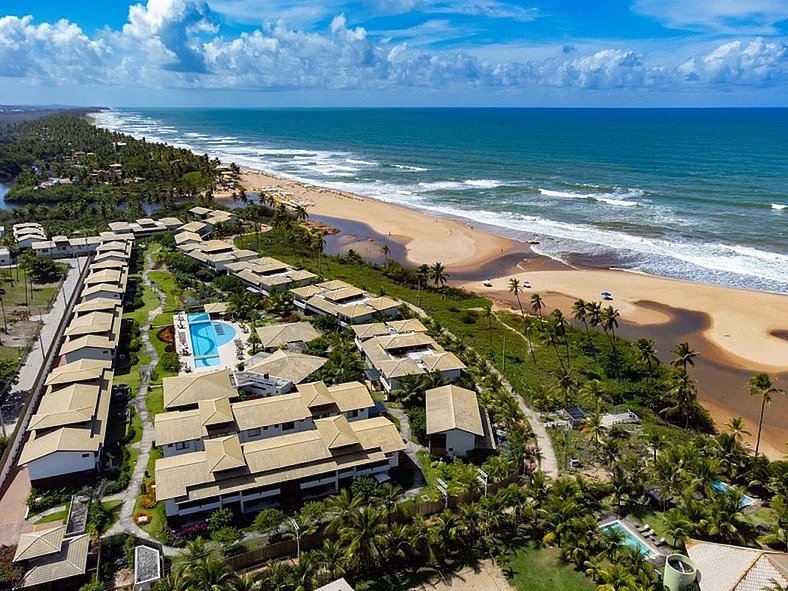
point(680, 573)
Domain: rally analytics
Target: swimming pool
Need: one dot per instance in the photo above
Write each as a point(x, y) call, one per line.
point(630, 538)
point(724, 487)
point(207, 336)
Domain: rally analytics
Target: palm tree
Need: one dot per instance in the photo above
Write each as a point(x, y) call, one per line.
point(365, 536)
point(580, 312)
point(647, 354)
point(609, 320)
point(209, 574)
point(595, 428)
point(2, 306)
point(559, 325)
point(593, 394)
point(683, 357)
point(537, 304)
point(762, 385)
point(332, 558)
point(300, 213)
point(567, 382)
point(438, 274)
point(516, 289)
point(683, 393)
point(737, 428)
point(528, 326)
point(488, 316)
point(387, 494)
point(386, 251)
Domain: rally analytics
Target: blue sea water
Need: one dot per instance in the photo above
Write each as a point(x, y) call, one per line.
point(698, 194)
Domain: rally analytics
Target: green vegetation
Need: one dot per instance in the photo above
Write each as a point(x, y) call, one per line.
point(541, 569)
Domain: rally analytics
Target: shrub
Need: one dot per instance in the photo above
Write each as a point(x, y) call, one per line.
point(169, 361)
point(226, 536)
point(363, 487)
point(93, 585)
point(418, 423)
point(10, 572)
point(268, 519)
point(148, 502)
point(220, 519)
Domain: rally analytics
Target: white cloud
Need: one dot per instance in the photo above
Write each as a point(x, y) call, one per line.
point(177, 44)
point(737, 16)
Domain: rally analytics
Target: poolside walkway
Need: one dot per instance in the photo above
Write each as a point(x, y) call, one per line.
point(126, 521)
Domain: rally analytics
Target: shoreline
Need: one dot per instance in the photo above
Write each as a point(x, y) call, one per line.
point(740, 330)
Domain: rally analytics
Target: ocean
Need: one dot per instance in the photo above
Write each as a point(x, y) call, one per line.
point(696, 194)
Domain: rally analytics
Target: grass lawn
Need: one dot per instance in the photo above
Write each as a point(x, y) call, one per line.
point(540, 569)
point(112, 506)
point(165, 282)
point(158, 517)
point(10, 352)
point(56, 516)
point(136, 426)
point(41, 296)
point(155, 401)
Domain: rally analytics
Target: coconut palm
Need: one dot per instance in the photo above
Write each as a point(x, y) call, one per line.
point(387, 494)
point(560, 325)
point(365, 536)
point(516, 288)
point(683, 357)
point(593, 394)
point(567, 382)
point(737, 428)
point(537, 304)
point(580, 312)
point(528, 325)
point(438, 274)
point(609, 320)
point(595, 428)
point(208, 574)
point(762, 385)
point(488, 316)
point(332, 558)
point(684, 397)
point(646, 353)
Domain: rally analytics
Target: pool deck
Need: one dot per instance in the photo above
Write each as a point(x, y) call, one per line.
point(227, 353)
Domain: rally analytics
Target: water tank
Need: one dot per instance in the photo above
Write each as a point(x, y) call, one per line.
point(680, 573)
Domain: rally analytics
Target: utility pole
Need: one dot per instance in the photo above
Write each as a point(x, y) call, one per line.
point(297, 530)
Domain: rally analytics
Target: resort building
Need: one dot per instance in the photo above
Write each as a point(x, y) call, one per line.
point(390, 358)
point(145, 226)
point(5, 257)
point(266, 275)
point(186, 391)
point(187, 430)
point(289, 335)
point(278, 373)
point(455, 423)
point(282, 469)
point(348, 304)
point(364, 332)
point(63, 247)
point(66, 434)
point(48, 555)
point(216, 254)
point(199, 228)
point(27, 233)
point(722, 567)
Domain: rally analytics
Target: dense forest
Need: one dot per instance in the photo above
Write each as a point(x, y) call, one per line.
point(70, 175)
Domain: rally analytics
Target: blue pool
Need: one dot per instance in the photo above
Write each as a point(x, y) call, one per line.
point(207, 336)
point(724, 487)
point(630, 539)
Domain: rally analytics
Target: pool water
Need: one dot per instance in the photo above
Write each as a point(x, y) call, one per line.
point(207, 336)
point(723, 487)
point(629, 538)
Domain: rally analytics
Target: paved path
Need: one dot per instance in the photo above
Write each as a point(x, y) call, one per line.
point(411, 447)
point(126, 522)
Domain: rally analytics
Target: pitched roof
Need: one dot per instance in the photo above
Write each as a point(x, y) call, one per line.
point(216, 411)
point(315, 394)
point(277, 335)
point(215, 308)
point(93, 323)
point(451, 407)
point(73, 404)
point(87, 342)
point(69, 562)
point(224, 453)
point(336, 432)
point(351, 396)
point(186, 237)
point(294, 367)
point(84, 370)
point(43, 540)
point(734, 568)
point(189, 389)
point(96, 305)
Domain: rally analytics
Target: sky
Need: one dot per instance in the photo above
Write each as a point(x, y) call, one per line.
point(279, 53)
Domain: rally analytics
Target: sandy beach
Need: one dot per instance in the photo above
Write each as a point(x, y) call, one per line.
point(737, 332)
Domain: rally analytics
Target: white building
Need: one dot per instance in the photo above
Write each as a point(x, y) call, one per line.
point(454, 421)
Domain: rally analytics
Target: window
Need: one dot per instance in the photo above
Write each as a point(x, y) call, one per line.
point(254, 432)
point(85, 455)
point(353, 414)
point(288, 426)
point(181, 445)
point(265, 428)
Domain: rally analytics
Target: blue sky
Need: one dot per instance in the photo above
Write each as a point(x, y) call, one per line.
point(395, 52)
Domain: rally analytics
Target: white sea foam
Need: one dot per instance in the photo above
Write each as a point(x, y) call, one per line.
point(779, 206)
point(619, 197)
point(483, 183)
point(362, 162)
point(411, 168)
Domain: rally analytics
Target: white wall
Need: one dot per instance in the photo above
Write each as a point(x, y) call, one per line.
point(60, 463)
point(191, 446)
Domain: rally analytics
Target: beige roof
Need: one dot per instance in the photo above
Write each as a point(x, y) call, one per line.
point(345, 293)
point(278, 459)
point(108, 264)
point(368, 331)
point(336, 432)
point(451, 407)
point(351, 396)
point(78, 438)
point(110, 256)
point(171, 222)
point(735, 568)
point(76, 403)
point(224, 453)
point(190, 389)
point(277, 335)
point(214, 246)
point(177, 426)
point(186, 236)
point(397, 368)
point(87, 342)
point(94, 323)
point(306, 292)
point(200, 210)
point(43, 540)
point(96, 305)
point(442, 362)
point(376, 329)
point(216, 411)
point(114, 246)
point(315, 394)
point(216, 308)
point(102, 288)
point(333, 284)
point(104, 276)
point(69, 562)
point(84, 370)
point(294, 367)
point(273, 410)
point(193, 227)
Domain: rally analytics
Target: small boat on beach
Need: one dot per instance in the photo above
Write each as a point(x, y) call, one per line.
point(487, 283)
